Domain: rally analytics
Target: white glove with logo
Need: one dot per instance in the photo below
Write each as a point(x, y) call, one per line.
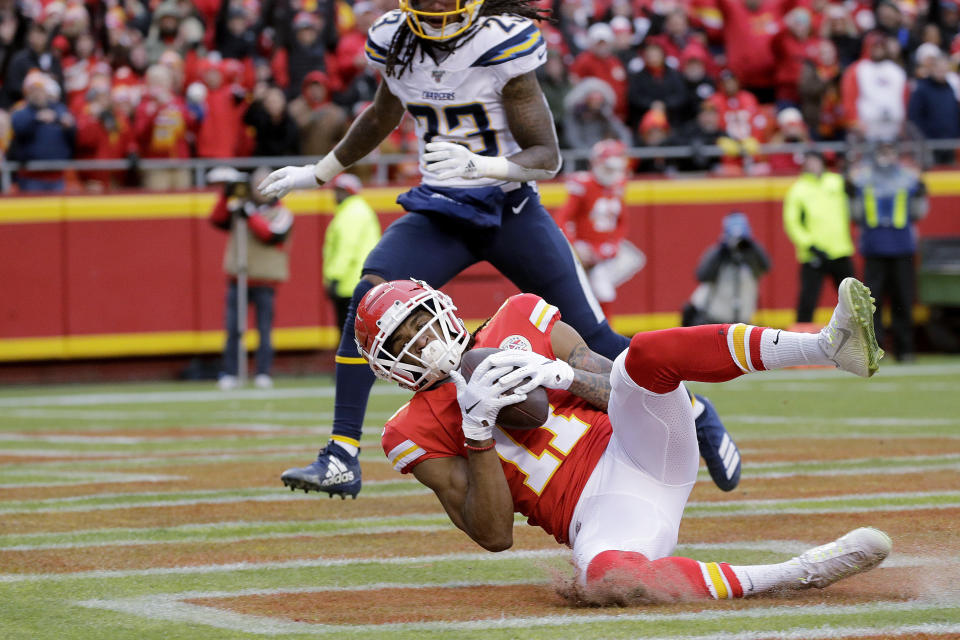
point(542, 371)
point(452, 160)
point(283, 181)
point(480, 400)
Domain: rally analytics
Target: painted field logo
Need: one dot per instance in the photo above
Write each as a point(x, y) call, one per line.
point(519, 343)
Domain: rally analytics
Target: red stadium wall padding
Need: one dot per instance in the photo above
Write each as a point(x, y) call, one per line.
point(32, 279)
point(108, 271)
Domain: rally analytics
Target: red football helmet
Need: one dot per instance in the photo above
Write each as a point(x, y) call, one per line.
point(384, 308)
point(608, 162)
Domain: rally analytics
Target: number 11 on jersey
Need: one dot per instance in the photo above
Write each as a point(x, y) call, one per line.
point(539, 469)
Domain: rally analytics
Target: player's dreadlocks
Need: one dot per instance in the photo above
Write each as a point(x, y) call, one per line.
point(404, 46)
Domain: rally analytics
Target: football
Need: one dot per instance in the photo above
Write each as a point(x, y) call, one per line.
point(529, 414)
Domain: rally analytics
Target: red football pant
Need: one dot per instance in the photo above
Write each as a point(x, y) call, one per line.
point(665, 580)
point(660, 360)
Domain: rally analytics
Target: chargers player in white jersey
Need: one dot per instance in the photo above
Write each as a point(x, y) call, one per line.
point(464, 69)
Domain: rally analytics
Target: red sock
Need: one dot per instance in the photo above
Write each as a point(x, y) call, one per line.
point(660, 360)
point(664, 580)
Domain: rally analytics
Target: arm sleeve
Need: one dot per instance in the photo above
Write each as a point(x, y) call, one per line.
point(272, 231)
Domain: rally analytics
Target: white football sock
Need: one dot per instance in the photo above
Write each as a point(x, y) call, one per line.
point(349, 448)
point(759, 578)
point(779, 348)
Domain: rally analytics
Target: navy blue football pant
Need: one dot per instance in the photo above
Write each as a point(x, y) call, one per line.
point(528, 248)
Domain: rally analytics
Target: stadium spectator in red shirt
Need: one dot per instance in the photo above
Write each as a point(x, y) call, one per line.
point(351, 59)
point(161, 125)
point(104, 132)
point(748, 30)
point(792, 46)
point(790, 129)
point(599, 62)
point(307, 52)
point(221, 115)
point(677, 36)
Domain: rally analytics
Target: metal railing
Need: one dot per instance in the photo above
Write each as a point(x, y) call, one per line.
point(922, 150)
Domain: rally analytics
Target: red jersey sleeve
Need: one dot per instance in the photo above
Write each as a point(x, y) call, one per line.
point(429, 426)
point(525, 321)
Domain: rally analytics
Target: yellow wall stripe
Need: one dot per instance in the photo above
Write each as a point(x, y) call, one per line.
point(305, 338)
point(15, 210)
point(714, 570)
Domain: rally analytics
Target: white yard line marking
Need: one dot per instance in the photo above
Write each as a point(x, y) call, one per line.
point(238, 524)
point(80, 478)
point(784, 547)
point(166, 397)
point(173, 608)
point(139, 396)
point(699, 509)
point(289, 564)
point(852, 422)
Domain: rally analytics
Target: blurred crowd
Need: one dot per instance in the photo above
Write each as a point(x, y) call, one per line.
point(173, 79)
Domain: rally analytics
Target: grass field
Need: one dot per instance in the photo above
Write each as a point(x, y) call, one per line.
point(155, 511)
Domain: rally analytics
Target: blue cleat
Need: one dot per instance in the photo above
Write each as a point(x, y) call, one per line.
point(334, 472)
point(717, 448)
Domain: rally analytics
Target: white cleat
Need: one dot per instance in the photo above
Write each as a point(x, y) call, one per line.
point(858, 551)
point(848, 340)
point(263, 381)
point(228, 383)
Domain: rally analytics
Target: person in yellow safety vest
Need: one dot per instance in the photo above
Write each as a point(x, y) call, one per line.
point(816, 217)
point(353, 232)
point(889, 198)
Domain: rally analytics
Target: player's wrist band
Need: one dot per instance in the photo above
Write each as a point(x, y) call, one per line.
point(486, 448)
point(327, 169)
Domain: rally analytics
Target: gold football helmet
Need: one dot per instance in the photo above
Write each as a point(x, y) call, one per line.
point(455, 21)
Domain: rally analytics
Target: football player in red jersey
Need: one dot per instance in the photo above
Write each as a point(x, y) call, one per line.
point(595, 222)
point(610, 470)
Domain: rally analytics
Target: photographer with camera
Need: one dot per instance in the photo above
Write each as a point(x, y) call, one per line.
point(729, 273)
point(256, 260)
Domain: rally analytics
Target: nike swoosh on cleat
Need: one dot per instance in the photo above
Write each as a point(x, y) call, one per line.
point(844, 336)
point(520, 206)
point(777, 339)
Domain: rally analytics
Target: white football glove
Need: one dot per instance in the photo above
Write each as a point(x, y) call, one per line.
point(481, 400)
point(542, 371)
point(452, 160)
point(283, 181)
